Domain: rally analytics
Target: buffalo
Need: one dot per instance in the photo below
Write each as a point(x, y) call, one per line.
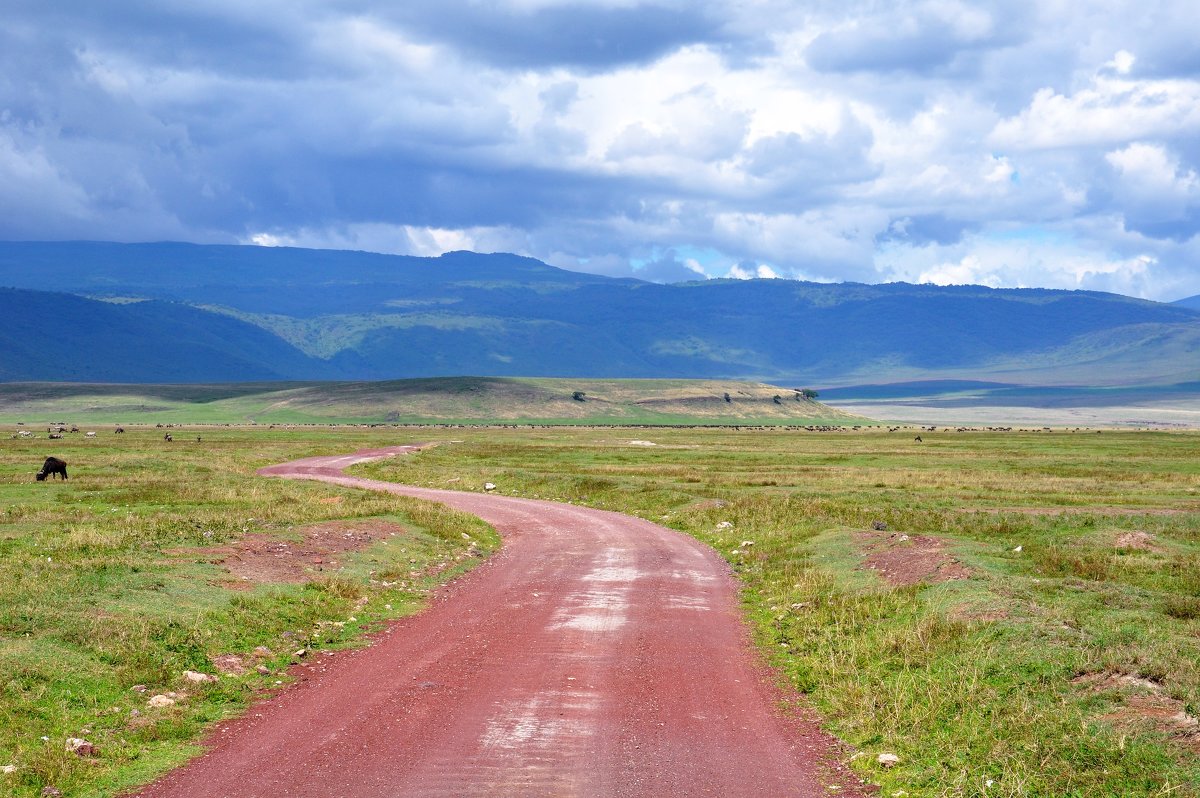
point(52, 466)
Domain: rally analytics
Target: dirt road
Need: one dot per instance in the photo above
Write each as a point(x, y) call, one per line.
point(595, 655)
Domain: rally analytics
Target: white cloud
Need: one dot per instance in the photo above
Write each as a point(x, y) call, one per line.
point(1109, 110)
point(1152, 184)
point(395, 239)
point(1122, 62)
point(751, 272)
point(1046, 260)
point(930, 139)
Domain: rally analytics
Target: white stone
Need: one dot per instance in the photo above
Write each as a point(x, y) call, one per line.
point(198, 678)
point(160, 701)
point(489, 486)
point(80, 746)
point(888, 760)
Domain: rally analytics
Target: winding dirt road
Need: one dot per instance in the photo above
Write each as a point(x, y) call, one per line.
point(595, 655)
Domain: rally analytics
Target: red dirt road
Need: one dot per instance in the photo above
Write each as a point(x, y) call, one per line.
point(595, 655)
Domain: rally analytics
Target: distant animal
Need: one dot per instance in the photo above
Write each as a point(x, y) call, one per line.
point(90, 435)
point(55, 436)
point(119, 429)
point(52, 466)
point(167, 437)
point(917, 439)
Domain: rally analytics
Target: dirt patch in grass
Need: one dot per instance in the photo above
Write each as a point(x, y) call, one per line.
point(706, 504)
point(909, 559)
point(1145, 703)
point(259, 558)
point(1137, 540)
point(979, 615)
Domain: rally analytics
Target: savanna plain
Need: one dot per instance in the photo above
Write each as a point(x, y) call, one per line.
point(1009, 613)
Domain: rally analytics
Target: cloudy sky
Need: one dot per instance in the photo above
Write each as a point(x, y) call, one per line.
point(1050, 143)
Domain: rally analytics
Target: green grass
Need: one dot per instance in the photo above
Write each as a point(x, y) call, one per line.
point(103, 587)
point(967, 681)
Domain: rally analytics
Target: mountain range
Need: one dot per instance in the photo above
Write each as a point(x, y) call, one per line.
point(173, 312)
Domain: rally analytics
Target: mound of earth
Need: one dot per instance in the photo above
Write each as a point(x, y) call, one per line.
point(909, 559)
point(1135, 540)
point(1144, 702)
point(260, 558)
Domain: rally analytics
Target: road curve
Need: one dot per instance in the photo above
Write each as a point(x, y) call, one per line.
point(595, 655)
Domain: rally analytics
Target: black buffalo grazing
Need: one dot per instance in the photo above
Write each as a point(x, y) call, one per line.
point(52, 466)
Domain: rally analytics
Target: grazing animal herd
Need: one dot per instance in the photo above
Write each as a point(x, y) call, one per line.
point(55, 466)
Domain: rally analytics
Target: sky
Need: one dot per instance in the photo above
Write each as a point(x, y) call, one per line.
point(1053, 143)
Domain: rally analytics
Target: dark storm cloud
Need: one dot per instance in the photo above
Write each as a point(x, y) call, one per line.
point(584, 36)
point(247, 39)
point(833, 139)
point(926, 229)
point(800, 166)
point(918, 40)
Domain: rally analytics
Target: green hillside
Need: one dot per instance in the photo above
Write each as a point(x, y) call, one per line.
point(191, 313)
point(467, 400)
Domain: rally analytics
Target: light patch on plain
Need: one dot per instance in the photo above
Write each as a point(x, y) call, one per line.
point(604, 607)
point(692, 576)
point(600, 622)
point(540, 722)
point(697, 603)
point(613, 574)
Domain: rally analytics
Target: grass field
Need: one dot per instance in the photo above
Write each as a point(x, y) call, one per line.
point(110, 588)
point(1065, 663)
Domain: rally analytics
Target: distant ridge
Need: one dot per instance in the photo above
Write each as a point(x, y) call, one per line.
point(204, 313)
point(462, 400)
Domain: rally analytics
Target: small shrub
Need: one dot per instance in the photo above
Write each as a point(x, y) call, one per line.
point(1185, 608)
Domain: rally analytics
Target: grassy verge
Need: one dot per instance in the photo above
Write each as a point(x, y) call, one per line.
point(1065, 665)
point(106, 586)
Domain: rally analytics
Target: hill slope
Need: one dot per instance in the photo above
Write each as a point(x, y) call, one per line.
point(46, 336)
point(364, 316)
point(456, 400)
